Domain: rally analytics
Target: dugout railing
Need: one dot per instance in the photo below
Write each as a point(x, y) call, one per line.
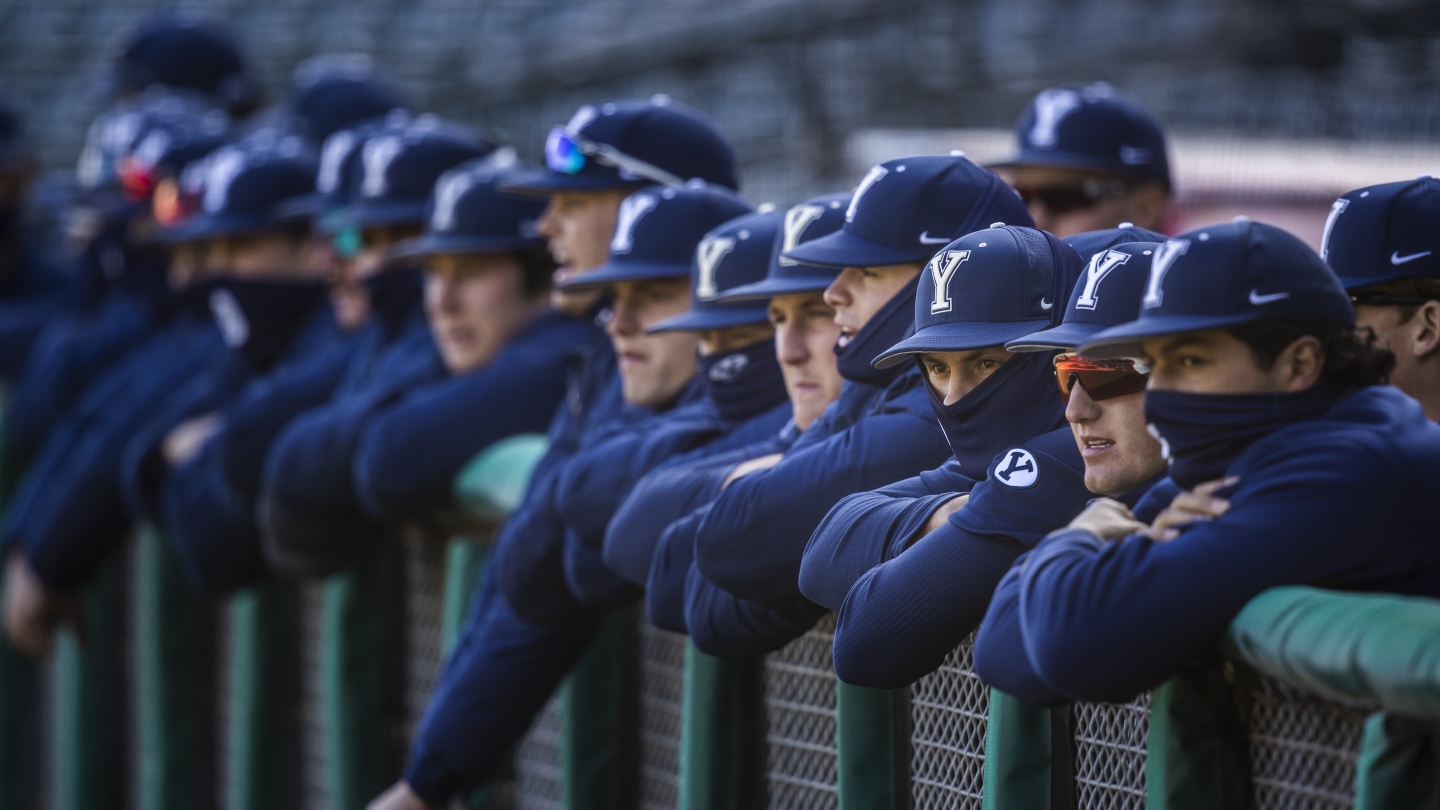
point(303, 695)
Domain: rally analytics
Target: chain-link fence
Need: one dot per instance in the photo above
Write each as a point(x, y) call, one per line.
point(1303, 750)
point(537, 762)
point(661, 703)
point(798, 683)
point(424, 622)
point(1110, 753)
point(948, 712)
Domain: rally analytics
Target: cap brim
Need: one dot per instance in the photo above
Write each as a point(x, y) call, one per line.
point(1357, 282)
point(845, 249)
point(1070, 160)
point(1064, 336)
point(956, 337)
point(544, 182)
point(1124, 340)
point(715, 318)
point(615, 272)
point(432, 244)
point(210, 226)
point(776, 287)
point(370, 214)
point(307, 206)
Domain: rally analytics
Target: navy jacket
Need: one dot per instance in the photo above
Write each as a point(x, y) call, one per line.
point(408, 455)
point(68, 509)
point(1343, 502)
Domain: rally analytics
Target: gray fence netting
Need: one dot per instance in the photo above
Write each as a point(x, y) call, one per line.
point(537, 762)
point(1303, 750)
point(661, 700)
point(1110, 743)
point(948, 712)
point(424, 622)
point(316, 793)
point(798, 683)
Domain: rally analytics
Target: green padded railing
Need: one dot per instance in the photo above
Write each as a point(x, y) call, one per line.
point(492, 484)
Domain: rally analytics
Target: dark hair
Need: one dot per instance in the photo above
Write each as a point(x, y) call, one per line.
point(537, 270)
point(1352, 360)
point(1408, 288)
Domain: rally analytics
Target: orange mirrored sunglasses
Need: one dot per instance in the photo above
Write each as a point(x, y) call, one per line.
point(1101, 379)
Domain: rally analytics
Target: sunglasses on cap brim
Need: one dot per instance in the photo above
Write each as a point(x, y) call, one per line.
point(1063, 199)
point(568, 153)
point(1101, 379)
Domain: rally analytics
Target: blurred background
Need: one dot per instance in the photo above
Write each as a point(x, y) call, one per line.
point(1274, 107)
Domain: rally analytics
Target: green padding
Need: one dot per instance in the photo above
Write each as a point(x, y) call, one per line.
point(1398, 764)
point(463, 561)
point(493, 483)
point(719, 735)
point(258, 740)
point(88, 692)
point(1197, 755)
point(1352, 648)
point(866, 756)
point(1017, 755)
point(592, 741)
point(169, 625)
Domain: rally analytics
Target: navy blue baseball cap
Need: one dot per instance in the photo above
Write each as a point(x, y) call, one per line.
point(1383, 233)
point(1093, 129)
point(1226, 275)
point(170, 131)
point(337, 175)
point(986, 289)
point(658, 230)
point(812, 219)
point(331, 92)
point(734, 254)
point(1107, 294)
point(468, 214)
point(906, 209)
point(397, 169)
point(628, 145)
point(243, 187)
point(186, 52)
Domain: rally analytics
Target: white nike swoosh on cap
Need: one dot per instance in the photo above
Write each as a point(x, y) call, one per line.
point(1045, 304)
point(1257, 299)
point(1397, 260)
point(926, 239)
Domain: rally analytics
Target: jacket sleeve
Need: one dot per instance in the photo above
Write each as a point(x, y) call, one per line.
point(1105, 621)
point(723, 624)
point(670, 566)
point(868, 528)
point(1000, 657)
point(752, 541)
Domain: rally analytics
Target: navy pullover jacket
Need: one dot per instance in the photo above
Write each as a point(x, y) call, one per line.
point(68, 510)
point(1105, 621)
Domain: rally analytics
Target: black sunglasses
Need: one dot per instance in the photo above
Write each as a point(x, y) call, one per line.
point(1383, 299)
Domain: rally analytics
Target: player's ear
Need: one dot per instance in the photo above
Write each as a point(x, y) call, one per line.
point(1300, 364)
point(1425, 329)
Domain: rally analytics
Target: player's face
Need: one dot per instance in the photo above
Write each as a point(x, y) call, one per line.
point(579, 225)
point(720, 341)
point(954, 374)
point(859, 292)
point(1120, 454)
point(653, 368)
point(805, 335)
point(475, 304)
point(1214, 361)
point(270, 256)
point(187, 264)
point(376, 242)
point(1058, 202)
point(1410, 341)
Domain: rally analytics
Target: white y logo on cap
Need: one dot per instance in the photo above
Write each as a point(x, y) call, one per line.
point(447, 195)
point(871, 178)
point(332, 156)
point(220, 173)
point(377, 155)
point(942, 269)
point(707, 257)
point(1165, 256)
point(1336, 210)
point(1100, 266)
point(797, 219)
point(1051, 107)
point(632, 210)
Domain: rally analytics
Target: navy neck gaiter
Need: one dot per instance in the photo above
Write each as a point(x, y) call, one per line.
point(258, 319)
point(743, 383)
point(888, 326)
point(1201, 435)
point(393, 295)
point(1015, 404)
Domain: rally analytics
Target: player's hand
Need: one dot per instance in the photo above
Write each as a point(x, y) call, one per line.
point(753, 465)
point(31, 612)
point(1108, 519)
point(184, 442)
point(941, 516)
point(1199, 504)
point(398, 797)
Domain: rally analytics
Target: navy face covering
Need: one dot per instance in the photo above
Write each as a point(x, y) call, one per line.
point(393, 296)
point(1203, 434)
point(888, 326)
point(270, 313)
point(744, 383)
point(1012, 406)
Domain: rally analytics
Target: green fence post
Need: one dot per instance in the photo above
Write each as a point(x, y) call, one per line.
point(166, 667)
point(870, 767)
point(720, 735)
point(258, 735)
point(463, 560)
point(1197, 752)
point(86, 772)
point(1396, 770)
point(1017, 755)
point(593, 722)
